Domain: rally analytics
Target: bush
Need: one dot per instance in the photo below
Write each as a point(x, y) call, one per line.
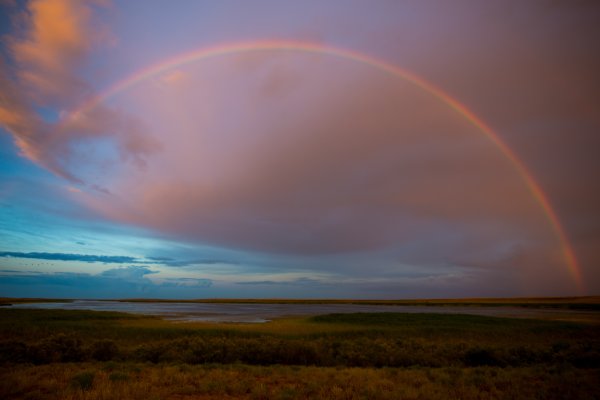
point(525, 356)
point(57, 348)
point(118, 377)
point(83, 381)
point(13, 352)
point(104, 350)
point(590, 359)
point(479, 356)
point(153, 353)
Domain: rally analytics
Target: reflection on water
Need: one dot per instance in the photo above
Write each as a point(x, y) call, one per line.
point(256, 313)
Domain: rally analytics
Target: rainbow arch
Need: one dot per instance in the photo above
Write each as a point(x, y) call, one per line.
point(283, 45)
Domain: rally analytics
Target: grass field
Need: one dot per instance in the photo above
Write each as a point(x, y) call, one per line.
point(58, 354)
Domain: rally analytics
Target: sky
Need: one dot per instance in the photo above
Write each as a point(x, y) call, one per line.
point(315, 149)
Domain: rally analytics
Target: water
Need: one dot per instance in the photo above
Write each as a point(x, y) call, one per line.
point(257, 313)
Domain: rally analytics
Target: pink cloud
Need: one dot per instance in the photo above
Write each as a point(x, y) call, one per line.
point(311, 155)
point(351, 160)
point(48, 56)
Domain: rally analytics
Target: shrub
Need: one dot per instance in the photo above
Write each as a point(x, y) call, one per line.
point(524, 356)
point(118, 377)
point(479, 356)
point(589, 359)
point(13, 351)
point(57, 348)
point(83, 381)
point(104, 350)
point(149, 353)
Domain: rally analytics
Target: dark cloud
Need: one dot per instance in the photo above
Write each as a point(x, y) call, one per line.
point(200, 261)
point(183, 262)
point(130, 277)
point(70, 257)
point(114, 283)
point(160, 258)
point(91, 258)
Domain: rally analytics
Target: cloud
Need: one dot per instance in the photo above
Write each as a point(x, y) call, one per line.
point(353, 159)
point(129, 277)
point(114, 283)
point(313, 162)
point(132, 273)
point(170, 262)
point(47, 58)
point(91, 258)
point(186, 282)
point(200, 261)
point(59, 34)
point(259, 283)
point(293, 282)
point(309, 155)
point(70, 257)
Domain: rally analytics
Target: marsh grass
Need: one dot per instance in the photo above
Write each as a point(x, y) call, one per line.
point(284, 382)
point(56, 354)
point(83, 380)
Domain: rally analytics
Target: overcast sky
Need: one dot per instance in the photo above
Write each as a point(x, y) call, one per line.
point(314, 149)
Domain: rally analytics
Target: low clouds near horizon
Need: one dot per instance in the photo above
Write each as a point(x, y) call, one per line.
point(114, 283)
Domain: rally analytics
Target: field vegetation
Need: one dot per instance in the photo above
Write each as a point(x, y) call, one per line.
point(59, 354)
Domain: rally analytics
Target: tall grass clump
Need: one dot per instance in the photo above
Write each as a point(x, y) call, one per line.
point(83, 380)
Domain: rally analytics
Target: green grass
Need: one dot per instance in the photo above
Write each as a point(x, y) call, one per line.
point(360, 339)
point(456, 325)
point(97, 355)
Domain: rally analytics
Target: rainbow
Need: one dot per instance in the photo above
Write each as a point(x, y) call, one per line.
point(271, 45)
